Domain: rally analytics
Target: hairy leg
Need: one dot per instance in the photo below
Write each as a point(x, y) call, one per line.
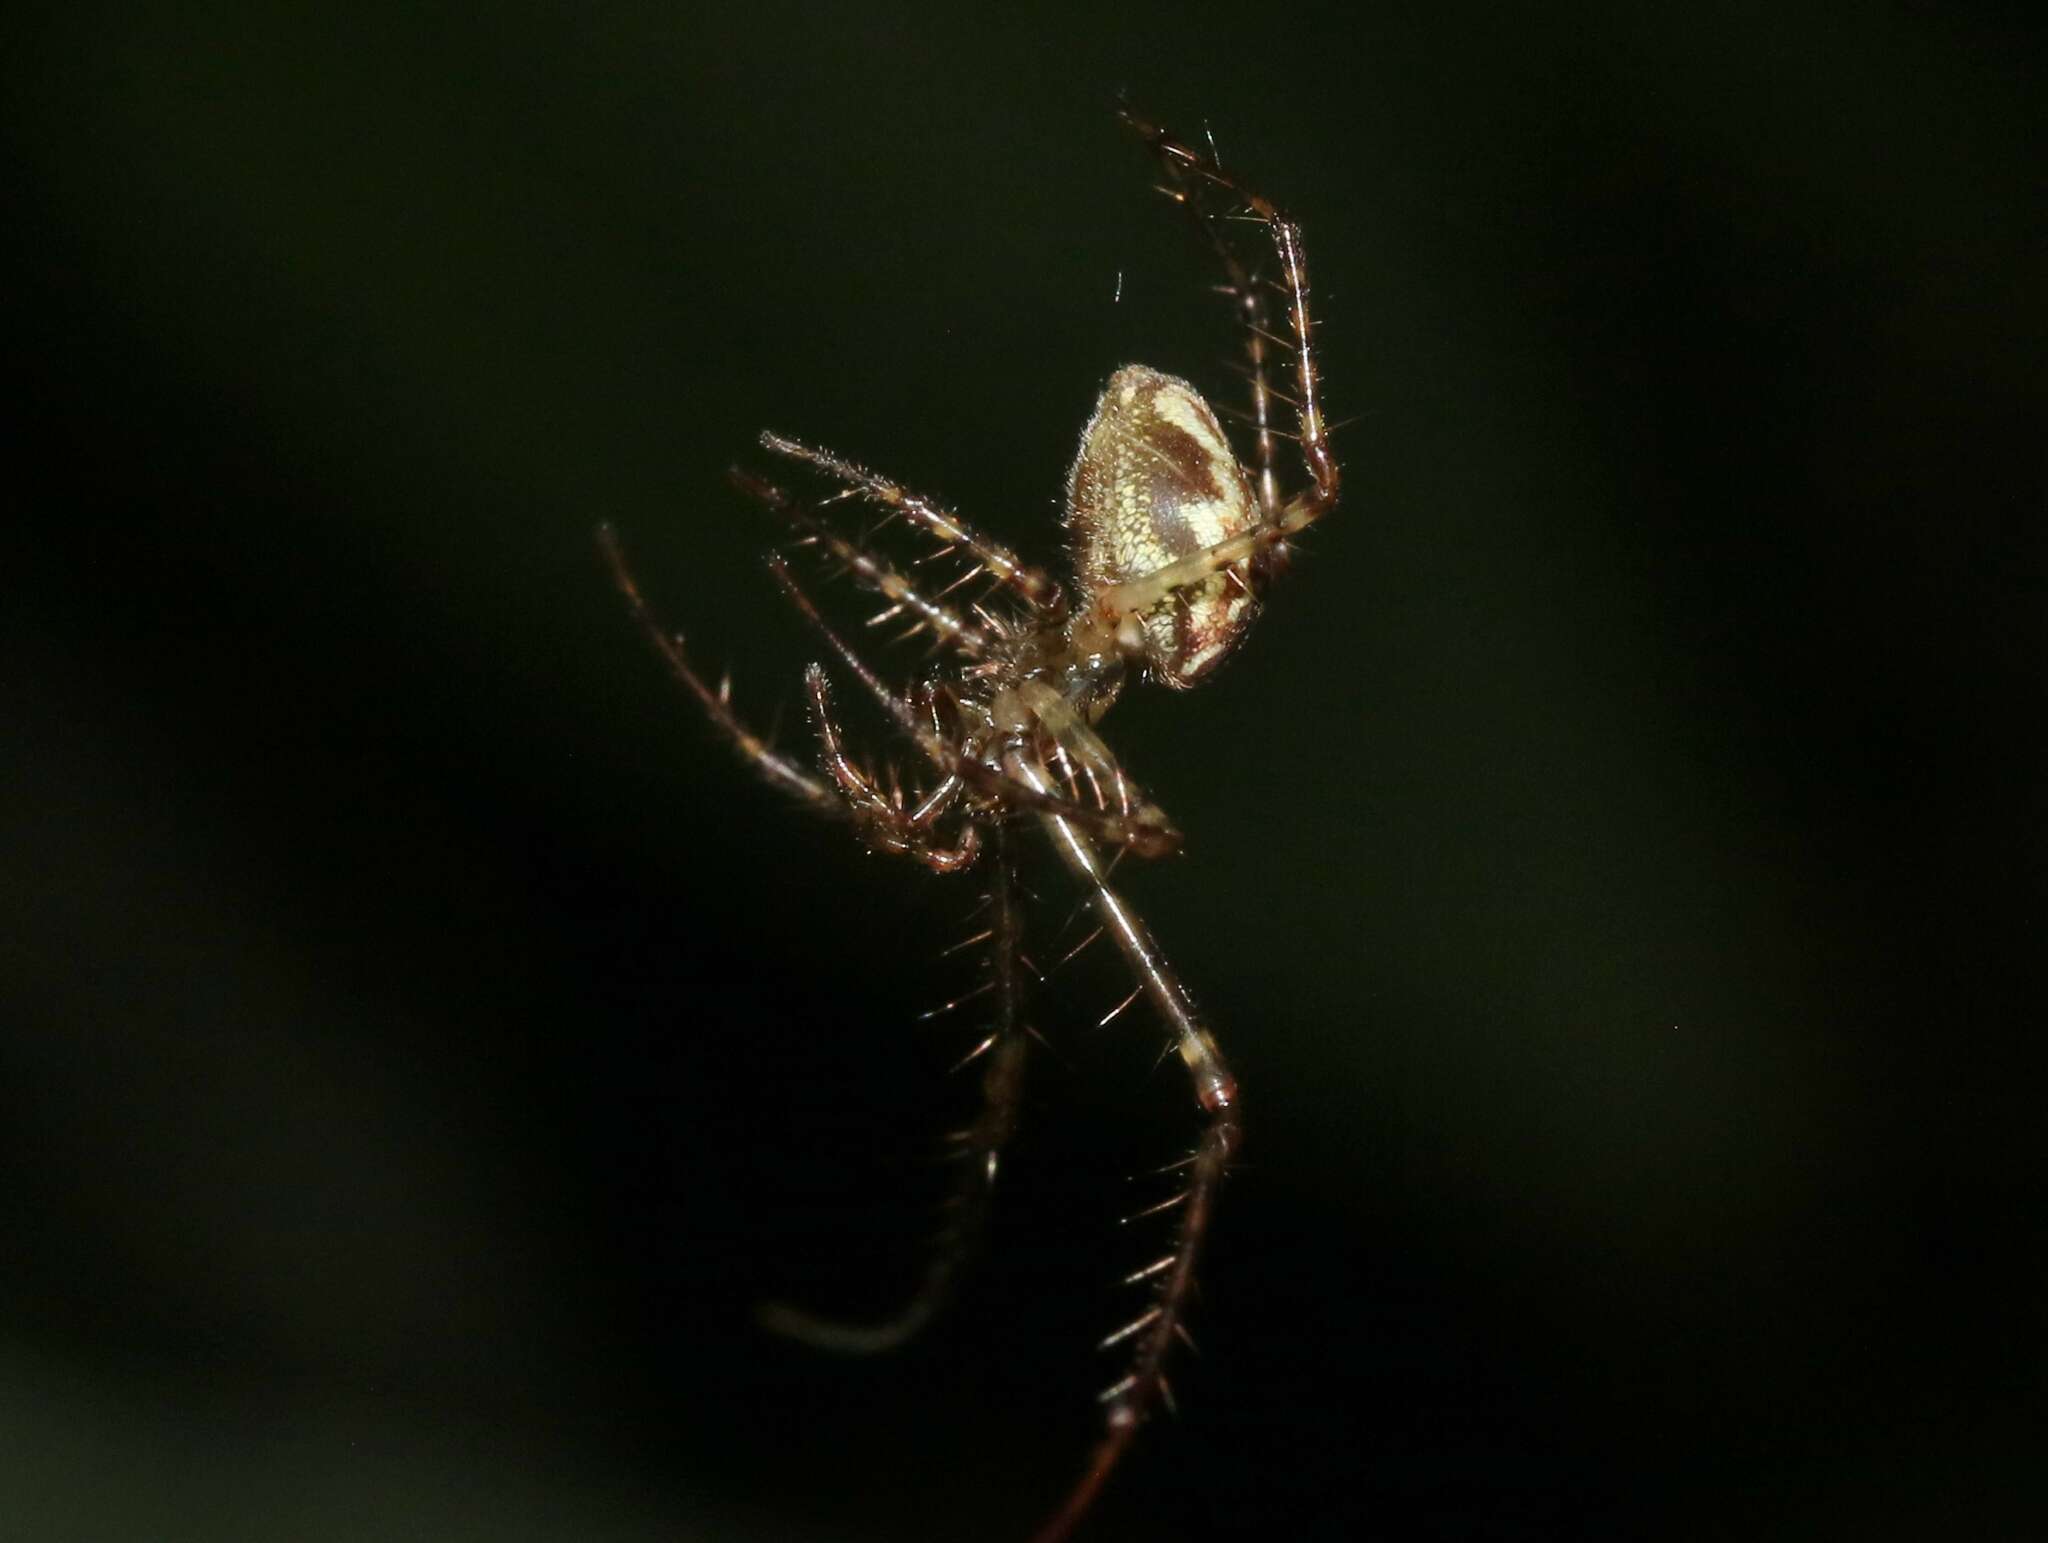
point(776, 767)
point(1032, 585)
point(976, 1150)
point(1215, 199)
point(1152, 1334)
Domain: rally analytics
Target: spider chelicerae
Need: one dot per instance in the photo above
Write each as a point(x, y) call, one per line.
point(1173, 542)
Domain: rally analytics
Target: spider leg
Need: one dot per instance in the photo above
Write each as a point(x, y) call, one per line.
point(1138, 595)
point(1146, 831)
point(776, 767)
point(1033, 585)
point(874, 572)
point(977, 1149)
point(1076, 744)
point(1216, 199)
point(1247, 295)
point(887, 826)
point(1152, 1334)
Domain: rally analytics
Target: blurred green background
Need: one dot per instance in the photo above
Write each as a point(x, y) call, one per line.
point(1614, 865)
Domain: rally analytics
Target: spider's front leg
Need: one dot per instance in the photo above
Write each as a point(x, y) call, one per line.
point(873, 572)
point(1032, 585)
point(752, 748)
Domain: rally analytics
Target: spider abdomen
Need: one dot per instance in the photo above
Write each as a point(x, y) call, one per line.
point(1156, 483)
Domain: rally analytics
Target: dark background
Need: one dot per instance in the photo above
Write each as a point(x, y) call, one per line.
point(1614, 861)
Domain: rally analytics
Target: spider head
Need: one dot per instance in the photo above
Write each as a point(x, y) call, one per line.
point(1153, 492)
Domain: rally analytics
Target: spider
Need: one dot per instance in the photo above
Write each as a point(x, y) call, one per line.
point(1173, 543)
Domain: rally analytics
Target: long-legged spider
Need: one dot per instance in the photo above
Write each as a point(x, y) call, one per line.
point(1173, 542)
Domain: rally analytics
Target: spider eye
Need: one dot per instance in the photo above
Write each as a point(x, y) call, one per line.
point(1156, 482)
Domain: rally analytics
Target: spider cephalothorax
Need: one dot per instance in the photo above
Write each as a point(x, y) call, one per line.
point(1172, 540)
